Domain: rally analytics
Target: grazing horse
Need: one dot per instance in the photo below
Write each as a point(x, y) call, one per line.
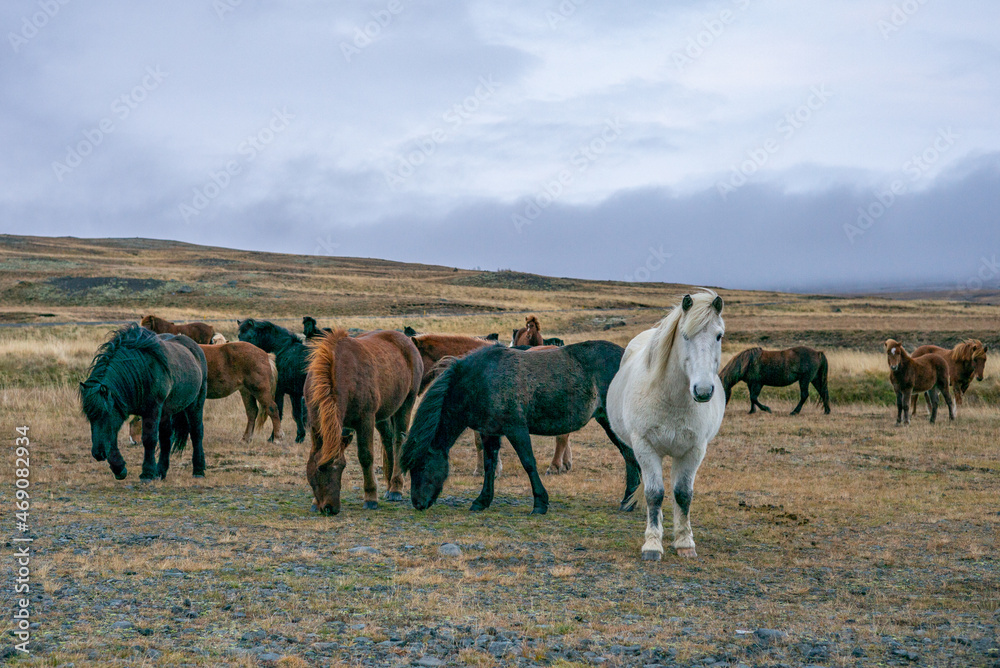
point(665, 402)
point(359, 384)
point(161, 378)
point(927, 373)
point(501, 391)
point(529, 335)
point(778, 368)
point(290, 357)
point(966, 361)
point(438, 351)
point(199, 332)
point(310, 329)
point(244, 368)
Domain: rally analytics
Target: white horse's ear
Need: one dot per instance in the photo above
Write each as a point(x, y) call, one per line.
point(717, 304)
point(687, 303)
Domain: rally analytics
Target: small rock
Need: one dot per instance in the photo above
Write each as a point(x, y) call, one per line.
point(364, 549)
point(357, 627)
point(429, 661)
point(450, 550)
point(269, 657)
point(499, 648)
point(767, 637)
point(123, 624)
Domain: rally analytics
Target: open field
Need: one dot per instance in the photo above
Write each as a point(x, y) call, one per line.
point(856, 542)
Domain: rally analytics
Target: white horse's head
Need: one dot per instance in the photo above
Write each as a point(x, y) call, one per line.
point(699, 345)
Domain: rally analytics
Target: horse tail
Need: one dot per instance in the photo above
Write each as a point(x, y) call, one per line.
point(261, 412)
point(181, 429)
point(824, 375)
point(638, 498)
point(428, 420)
point(322, 395)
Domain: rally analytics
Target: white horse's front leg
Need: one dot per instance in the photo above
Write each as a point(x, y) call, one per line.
point(682, 474)
point(652, 480)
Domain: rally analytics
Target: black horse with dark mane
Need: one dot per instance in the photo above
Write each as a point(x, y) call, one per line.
point(161, 378)
point(778, 368)
point(311, 330)
point(290, 356)
point(499, 391)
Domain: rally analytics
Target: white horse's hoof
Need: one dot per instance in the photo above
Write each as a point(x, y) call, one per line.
point(651, 555)
point(686, 552)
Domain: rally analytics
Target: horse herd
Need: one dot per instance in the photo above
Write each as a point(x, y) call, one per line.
point(658, 397)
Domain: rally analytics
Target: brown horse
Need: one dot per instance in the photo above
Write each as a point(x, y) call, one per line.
point(438, 351)
point(529, 335)
point(928, 373)
point(244, 368)
point(778, 368)
point(359, 384)
point(199, 331)
point(966, 361)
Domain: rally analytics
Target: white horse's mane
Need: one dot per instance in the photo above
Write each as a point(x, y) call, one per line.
point(660, 341)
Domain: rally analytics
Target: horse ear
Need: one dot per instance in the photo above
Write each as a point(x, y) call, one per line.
point(687, 303)
point(717, 304)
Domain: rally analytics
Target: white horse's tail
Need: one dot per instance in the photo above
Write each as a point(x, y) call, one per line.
point(638, 497)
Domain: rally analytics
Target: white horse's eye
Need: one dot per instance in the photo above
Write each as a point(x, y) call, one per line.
point(718, 337)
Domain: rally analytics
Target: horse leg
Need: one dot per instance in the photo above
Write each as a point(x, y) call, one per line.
point(906, 405)
point(150, 429)
point(521, 440)
point(480, 466)
point(899, 407)
point(401, 424)
point(754, 393)
point(298, 414)
point(932, 399)
point(279, 401)
point(652, 482)
point(803, 395)
point(557, 459)
point(491, 452)
point(390, 455)
point(567, 453)
point(195, 417)
point(952, 409)
point(166, 431)
point(682, 473)
point(632, 471)
point(365, 433)
point(250, 406)
point(134, 430)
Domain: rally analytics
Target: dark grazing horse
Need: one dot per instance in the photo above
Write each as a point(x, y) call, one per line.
point(500, 391)
point(358, 384)
point(200, 332)
point(164, 380)
point(778, 368)
point(310, 329)
point(290, 357)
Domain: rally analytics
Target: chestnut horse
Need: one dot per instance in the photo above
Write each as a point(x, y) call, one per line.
point(360, 384)
point(928, 373)
point(778, 368)
point(437, 347)
point(244, 368)
point(200, 332)
point(966, 361)
point(529, 335)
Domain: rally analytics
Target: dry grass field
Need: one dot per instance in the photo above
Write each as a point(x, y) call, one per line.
point(833, 540)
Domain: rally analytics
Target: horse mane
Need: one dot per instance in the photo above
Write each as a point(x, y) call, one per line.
point(532, 320)
point(274, 332)
point(427, 420)
point(120, 368)
point(322, 365)
point(662, 340)
point(737, 367)
point(968, 350)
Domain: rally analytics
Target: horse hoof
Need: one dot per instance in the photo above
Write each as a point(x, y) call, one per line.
point(539, 510)
point(299, 439)
point(477, 507)
point(371, 505)
point(394, 496)
point(686, 552)
point(552, 470)
point(121, 475)
point(314, 508)
point(651, 555)
point(147, 478)
point(626, 507)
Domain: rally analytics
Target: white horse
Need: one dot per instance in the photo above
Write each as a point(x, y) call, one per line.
point(667, 399)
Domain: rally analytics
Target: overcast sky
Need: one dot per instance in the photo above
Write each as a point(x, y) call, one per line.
point(738, 143)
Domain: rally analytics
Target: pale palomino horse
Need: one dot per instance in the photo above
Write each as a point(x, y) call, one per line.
point(667, 400)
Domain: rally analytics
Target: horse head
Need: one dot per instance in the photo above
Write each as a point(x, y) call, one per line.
point(701, 328)
point(894, 353)
point(979, 362)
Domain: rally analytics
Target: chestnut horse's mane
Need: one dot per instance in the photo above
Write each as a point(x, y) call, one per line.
point(532, 320)
point(322, 370)
point(969, 350)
